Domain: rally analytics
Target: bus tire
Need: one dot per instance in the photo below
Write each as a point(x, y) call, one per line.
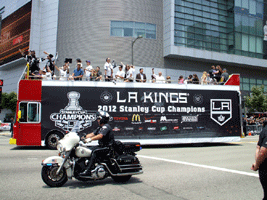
point(52, 139)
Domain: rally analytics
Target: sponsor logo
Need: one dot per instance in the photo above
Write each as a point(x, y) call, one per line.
point(129, 128)
point(198, 99)
point(200, 128)
point(189, 118)
point(188, 128)
point(116, 129)
point(164, 128)
point(73, 112)
point(148, 118)
point(106, 97)
point(176, 128)
point(163, 119)
point(136, 119)
point(119, 119)
point(221, 110)
point(151, 121)
point(151, 128)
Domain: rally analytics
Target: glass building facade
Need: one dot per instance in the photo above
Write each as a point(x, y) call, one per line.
point(227, 26)
point(132, 29)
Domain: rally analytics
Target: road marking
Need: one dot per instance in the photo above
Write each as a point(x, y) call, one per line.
point(199, 165)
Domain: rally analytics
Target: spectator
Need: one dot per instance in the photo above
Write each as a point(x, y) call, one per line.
point(11, 126)
point(50, 63)
point(108, 70)
point(168, 79)
point(225, 76)
point(47, 74)
point(97, 74)
point(189, 79)
point(27, 55)
point(195, 79)
point(133, 71)
point(78, 73)
point(63, 71)
point(129, 74)
point(181, 80)
point(34, 66)
point(33, 63)
point(218, 73)
point(141, 77)
point(78, 60)
point(211, 74)
point(160, 78)
point(88, 70)
point(120, 74)
point(153, 76)
point(204, 78)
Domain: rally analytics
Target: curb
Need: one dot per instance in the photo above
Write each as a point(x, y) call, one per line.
point(5, 133)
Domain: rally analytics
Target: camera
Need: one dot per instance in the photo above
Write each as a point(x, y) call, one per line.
point(69, 60)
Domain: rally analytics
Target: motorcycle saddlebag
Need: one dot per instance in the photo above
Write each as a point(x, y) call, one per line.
point(126, 147)
point(127, 159)
point(131, 147)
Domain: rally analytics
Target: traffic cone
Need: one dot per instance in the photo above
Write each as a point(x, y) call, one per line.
point(249, 133)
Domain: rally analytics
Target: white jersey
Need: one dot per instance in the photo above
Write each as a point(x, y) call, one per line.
point(108, 67)
point(47, 76)
point(87, 71)
point(160, 79)
point(120, 73)
point(63, 75)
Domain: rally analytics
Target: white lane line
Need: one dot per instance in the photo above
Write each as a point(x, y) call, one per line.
point(198, 165)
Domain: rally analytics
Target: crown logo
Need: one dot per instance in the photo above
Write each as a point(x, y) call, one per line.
point(221, 118)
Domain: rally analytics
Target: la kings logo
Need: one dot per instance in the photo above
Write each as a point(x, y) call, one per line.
point(73, 112)
point(221, 110)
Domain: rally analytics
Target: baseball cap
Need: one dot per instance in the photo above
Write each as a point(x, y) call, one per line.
point(88, 61)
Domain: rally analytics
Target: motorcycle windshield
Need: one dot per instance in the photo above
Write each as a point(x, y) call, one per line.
point(76, 127)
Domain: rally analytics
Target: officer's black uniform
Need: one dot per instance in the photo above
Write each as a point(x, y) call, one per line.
point(263, 167)
point(102, 149)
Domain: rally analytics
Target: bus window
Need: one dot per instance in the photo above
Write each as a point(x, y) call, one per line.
point(33, 112)
point(30, 112)
point(23, 108)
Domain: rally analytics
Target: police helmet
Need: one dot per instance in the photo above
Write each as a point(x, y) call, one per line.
point(103, 116)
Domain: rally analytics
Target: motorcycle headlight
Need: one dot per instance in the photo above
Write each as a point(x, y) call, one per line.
point(60, 148)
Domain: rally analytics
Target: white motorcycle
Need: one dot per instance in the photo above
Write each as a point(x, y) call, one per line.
point(118, 161)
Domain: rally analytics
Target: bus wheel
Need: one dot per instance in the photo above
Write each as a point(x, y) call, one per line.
point(53, 139)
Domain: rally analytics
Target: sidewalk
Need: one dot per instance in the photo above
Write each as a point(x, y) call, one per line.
point(5, 133)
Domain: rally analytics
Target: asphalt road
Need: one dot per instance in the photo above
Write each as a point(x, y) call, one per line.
point(220, 171)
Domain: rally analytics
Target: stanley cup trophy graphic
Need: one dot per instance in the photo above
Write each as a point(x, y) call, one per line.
point(73, 101)
point(67, 117)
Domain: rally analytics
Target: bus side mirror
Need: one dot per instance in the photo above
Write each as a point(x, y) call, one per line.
point(19, 115)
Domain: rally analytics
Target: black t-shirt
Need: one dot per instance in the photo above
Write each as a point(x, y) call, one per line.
point(263, 143)
point(34, 68)
point(108, 136)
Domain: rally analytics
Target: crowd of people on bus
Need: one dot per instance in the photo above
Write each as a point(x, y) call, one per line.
point(125, 73)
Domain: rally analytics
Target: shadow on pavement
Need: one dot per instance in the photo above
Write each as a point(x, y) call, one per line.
point(30, 148)
point(75, 184)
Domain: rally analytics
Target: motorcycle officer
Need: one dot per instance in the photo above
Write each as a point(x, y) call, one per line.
point(105, 138)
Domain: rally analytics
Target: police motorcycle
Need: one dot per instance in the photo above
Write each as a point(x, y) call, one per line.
point(119, 161)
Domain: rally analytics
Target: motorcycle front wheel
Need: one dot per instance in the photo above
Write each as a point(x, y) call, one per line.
point(51, 179)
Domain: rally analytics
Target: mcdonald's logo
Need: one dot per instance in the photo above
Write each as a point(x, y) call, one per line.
point(136, 119)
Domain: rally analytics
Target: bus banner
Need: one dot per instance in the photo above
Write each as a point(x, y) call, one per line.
point(144, 113)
